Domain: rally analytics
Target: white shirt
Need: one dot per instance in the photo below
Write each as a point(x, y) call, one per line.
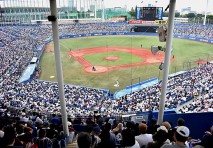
point(39, 120)
point(144, 139)
point(1, 134)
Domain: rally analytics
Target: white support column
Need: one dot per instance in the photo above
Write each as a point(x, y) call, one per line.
point(80, 10)
point(204, 21)
point(103, 10)
point(167, 60)
point(89, 3)
point(84, 9)
point(95, 9)
point(76, 4)
point(53, 9)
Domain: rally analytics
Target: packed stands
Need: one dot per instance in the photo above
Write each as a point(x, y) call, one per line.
point(181, 89)
point(198, 31)
point(36, 102)
point(21, 43)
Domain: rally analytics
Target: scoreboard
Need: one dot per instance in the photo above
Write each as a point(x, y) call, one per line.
point(149, 13)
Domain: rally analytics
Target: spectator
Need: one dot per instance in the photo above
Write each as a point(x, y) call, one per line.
point(39, 120)
point(42, 141)
point(152, 128)
point(143, 139)
point(84, 140)
point(51, 132)
point(180, 122)
point(159, 139)
point(129, 141)
point(181, 136)
point(24, 134)
point(169, 129)
point(117, 131)
point(55, 120)
point(207, 139)
point(108, 139)
point(96, 140)
point(8, 139)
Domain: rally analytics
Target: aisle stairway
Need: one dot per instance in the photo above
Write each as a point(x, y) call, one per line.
point(74, 144)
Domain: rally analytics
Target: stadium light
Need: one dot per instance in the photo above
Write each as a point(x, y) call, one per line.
point(162, 33)
point(161, 66)
point(155, 49)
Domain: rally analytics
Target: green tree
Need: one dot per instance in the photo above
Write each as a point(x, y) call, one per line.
point(190, 15)
point(177, 14)
point(165, 14)
point(209, 17)
point(200, 15)
point(132, 12)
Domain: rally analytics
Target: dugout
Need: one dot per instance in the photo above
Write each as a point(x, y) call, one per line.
point(34, 60)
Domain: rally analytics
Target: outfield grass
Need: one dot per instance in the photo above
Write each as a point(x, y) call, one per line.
point(185, 52)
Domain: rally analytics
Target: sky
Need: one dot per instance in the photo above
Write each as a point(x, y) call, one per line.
point(196, 5)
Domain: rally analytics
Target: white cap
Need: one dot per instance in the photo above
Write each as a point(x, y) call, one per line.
point(183, 131)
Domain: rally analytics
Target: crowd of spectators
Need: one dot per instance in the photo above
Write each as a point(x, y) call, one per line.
point(196, 83)
point(93, 28)
point(139, 135)
point(18, 44)
point(199, 31)
point(204, 101)
point(22, 130)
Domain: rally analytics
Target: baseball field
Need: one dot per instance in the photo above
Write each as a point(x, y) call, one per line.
point(100, 61)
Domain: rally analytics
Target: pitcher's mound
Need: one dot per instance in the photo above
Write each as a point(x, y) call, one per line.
point(95, 69)
point(111, 58)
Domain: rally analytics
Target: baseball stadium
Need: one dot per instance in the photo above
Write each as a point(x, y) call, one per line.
point(72, 70)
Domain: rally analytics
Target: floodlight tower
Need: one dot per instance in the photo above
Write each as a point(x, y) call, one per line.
point(204, 21)
point(84, 9)
point(95, 9)
point(103, 10)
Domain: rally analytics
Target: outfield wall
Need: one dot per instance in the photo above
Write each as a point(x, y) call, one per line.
point(193, 38)
point(135, 33)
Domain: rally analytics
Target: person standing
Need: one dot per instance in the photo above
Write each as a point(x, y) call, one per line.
point(143, 139)
point(181, 136)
